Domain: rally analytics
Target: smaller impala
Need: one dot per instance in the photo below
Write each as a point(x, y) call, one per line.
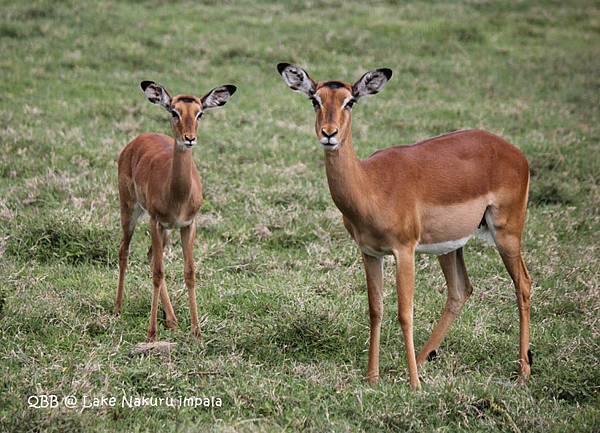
point(157, 175)
point(429, 197)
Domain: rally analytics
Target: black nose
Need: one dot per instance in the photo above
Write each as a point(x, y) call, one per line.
point(188, 138)
point(329, 135)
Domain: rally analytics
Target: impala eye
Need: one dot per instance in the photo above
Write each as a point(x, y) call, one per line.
point(350, 104)
point(175, 114)
point(315, 103)
point(199, 115)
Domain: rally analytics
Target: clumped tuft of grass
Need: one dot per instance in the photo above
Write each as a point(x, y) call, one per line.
point(63, 240)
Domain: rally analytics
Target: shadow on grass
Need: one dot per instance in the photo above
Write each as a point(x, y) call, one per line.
point(307, 336)
point(63, 240)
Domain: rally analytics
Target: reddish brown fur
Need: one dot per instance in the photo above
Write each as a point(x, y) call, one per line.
point(434, 191)
point(160, 177)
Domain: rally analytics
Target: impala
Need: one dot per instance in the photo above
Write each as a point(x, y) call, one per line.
point(157, 175)
point(429, 197)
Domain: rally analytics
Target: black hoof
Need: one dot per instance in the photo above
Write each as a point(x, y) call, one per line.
point(432, 355)
point(530, 357)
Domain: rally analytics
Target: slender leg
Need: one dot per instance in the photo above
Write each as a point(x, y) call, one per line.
point(459, 290)
point(157, 274)
point(170, 319)
point(129, 219)
point(187, 242)
point(509, 247)
point(165, 238)
point(374, 272)
point(123, 255)
point(405, 287)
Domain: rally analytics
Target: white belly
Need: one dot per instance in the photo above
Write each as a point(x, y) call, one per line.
point(373, 252)
point(442, 248)
point(177, 224)
point(439, 249)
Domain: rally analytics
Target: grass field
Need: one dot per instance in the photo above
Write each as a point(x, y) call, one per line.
point(281, 289)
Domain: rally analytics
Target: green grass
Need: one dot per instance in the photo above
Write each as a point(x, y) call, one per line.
point(284, 312)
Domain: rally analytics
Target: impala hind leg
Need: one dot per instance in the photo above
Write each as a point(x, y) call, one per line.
point(459, 289)
point(170, 318)
point(509, 247)
point(123, 256)
point(165, 239)
point(374, 273)
point(129, 218)
point(187, 243)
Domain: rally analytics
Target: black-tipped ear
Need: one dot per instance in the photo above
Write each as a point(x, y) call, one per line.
point(297, 79)
point(371, 83)
point(387, 72)
point(144, 85)
point(156, 94)
point(218, 96)
point(231, 88)
point(281, 67)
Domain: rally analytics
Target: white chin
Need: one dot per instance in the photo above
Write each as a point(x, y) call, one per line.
point(184, 146)
point(330, 145)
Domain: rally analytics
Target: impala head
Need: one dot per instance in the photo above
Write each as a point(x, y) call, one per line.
point(333, 100)
point(186, 110)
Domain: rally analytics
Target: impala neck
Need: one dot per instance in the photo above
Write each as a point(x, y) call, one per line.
point(181, 173)
point(346, 177)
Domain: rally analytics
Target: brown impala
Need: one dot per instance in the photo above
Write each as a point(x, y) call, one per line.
point(430, 197)
point(157, 175)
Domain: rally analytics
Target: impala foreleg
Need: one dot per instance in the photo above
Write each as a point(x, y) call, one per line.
point(187, 242)
point(405, 287)
point(170, 319)
point(158, 278)
point(459, 290)
point(374, 273)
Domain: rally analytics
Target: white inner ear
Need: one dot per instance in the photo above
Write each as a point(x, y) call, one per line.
point(371, 83)
point(157, 95)
point(297, 80)
point(376, 82)
point(216, 98)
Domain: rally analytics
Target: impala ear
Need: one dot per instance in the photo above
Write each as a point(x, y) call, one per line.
point(371, 83)
point(218, 96)
point(156, 94)
point(297, 79)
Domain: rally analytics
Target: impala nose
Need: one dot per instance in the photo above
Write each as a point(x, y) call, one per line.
point(329, 134)
point(329, 139)
point(189, 140)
